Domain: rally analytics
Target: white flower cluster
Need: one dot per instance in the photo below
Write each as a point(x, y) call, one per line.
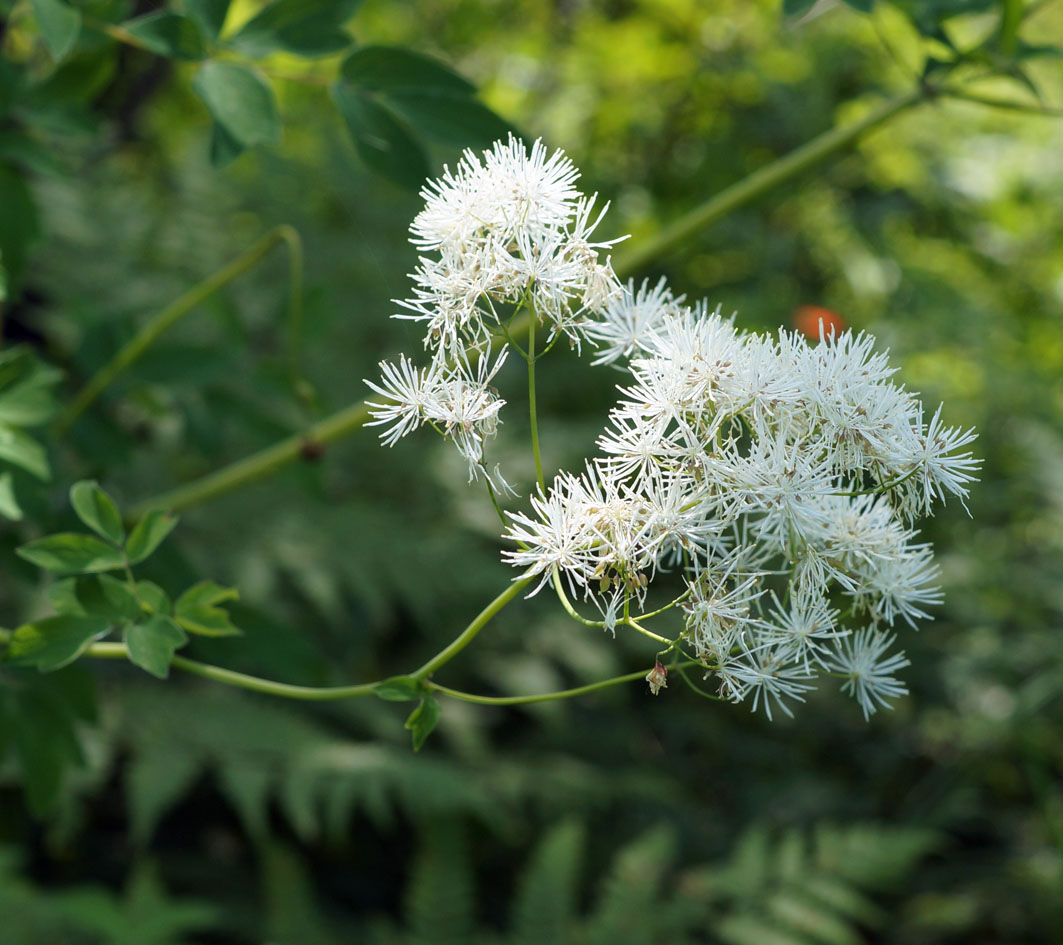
point(781, 477)
point(507, 230)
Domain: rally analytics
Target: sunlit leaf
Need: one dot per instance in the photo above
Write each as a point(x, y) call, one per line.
point(54, 641)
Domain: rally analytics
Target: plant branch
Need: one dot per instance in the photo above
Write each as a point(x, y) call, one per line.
point(469, 633)
point(543, 696)
point(531, 404)
point(118, 651)
point(135, 348)
point(762, 180)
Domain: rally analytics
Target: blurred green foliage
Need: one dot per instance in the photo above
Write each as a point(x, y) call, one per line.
point(137, 811)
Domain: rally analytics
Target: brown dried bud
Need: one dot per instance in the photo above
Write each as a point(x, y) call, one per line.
point(657, 677)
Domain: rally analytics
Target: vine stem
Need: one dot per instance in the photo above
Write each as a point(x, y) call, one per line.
point(531, 404)
point(162, 322)
point(762, 180)
point(119, 651)
point(351, 418)
point(543, 696)
point(469, 633)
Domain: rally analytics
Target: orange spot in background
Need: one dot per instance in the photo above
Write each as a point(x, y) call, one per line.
point(807, 318)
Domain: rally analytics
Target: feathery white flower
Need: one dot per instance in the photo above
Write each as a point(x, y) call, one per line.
point(862, 657)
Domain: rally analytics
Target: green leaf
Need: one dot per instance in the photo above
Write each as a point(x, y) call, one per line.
point(392, 68)
point(30, 400)
point(198, 612)
point(383, 143)
point(240, 101)
point(154, 597)
point(45, 712)
point(863, 6)
point(19, 225)
point(169, 34)
point(55, 641)
point(304, 27)
point(60, 25)
point(71, 552)
point(422, 720)
point(9, 506)
point(24, 451)
point(209, 14)
point(94, 596)
point(454, 119)
point(103, 596)
point(97, 510)
point(797, 7)
point(152, 643)
point(26, 152)
point(398, 689)
point(148, 534)
point(224, 148)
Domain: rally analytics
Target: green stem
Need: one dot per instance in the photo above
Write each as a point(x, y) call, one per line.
point(351, 418)
point(118, 651)
point(531, 403)
point(761, 181)
point(567, 604)
point(258, 465)
point(469, 633)
point(169, 316)
point(543, 696)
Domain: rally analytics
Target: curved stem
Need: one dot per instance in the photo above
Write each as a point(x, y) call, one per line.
point(543, 696)
point(761, 181)
point(635, 625)
point(469, 633)
point(134, 349)
point(258, 465)
point(531, 403)
point(567, 604)
point(118, 651)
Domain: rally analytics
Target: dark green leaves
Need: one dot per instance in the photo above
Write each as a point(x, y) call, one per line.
point(169, 34)
point(19, 226)
point(59, 25)
point(304, 27)
point(422, 720)
point(387, 68)
point(797, 7)
point(152, 643)
point(70, 552)
point(209, 14)
point(55, 641)
point(242, 105)
point(385, 144)
point(148, 534)
point(197, 610)
point(97, 510)
point(384, 93)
